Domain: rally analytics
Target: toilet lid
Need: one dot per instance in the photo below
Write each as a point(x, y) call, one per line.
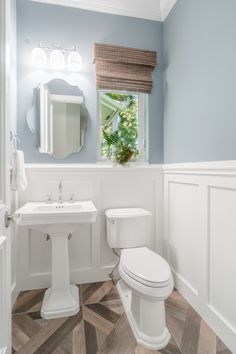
point(145, 266)
point(127, 213)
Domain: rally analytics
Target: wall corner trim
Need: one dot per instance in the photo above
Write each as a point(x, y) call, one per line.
point(166, 7)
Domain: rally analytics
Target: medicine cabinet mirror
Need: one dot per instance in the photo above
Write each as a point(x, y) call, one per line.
point(59, 117)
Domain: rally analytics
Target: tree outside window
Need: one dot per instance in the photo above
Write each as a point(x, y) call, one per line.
point(119, 124)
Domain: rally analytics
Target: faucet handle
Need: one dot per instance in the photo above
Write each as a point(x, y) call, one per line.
point(71, 198)
point(49, 198)
point(60, 186)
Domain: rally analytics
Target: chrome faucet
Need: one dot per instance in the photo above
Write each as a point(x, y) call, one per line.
point(60, 201)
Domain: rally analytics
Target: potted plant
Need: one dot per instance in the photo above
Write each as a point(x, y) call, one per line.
point(122, 153)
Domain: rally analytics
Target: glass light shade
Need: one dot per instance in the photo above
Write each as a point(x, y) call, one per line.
point(57, 60)
point(39, 58)
point(74, 61)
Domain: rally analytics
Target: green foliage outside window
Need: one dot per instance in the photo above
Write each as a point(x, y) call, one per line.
point(119, 127)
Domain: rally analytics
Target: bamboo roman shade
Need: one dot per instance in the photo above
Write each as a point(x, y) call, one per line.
point(124, 69)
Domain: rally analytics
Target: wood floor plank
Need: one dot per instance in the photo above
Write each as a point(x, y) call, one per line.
point(88, 290)
point(99, 293)
point(59, 350)
point(79, 339)
point(46, 332)
point(35, 315)
point(114, 305)
point(90, 338)
point(177, 310)
point(97, 321)
point(19, 337)
point(67, 343)
point(36, 307)
point(27, 300)
point(105, 312)
point(171, 348)
point(207, 340)
point(177, 298)
point(189, 343)
point(121, 339)
point(176, 329)
point(30, 328)
point(57, 337)
point(26, 324)
point(101, 337)
point(111, 295)
point(221, 348)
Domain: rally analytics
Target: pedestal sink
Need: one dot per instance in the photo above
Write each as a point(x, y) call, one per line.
point(58, 220)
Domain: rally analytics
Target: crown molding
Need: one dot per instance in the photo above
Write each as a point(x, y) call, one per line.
point(162, 10)
point(165, 7)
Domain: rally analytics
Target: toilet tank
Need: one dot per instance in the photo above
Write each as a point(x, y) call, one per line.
point(128, 227)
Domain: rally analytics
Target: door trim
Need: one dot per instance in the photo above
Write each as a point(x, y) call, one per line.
point(5, 236)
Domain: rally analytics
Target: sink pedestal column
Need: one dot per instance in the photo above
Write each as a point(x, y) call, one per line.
point(62, 299)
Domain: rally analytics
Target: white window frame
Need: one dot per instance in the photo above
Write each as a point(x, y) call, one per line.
point(143, 125)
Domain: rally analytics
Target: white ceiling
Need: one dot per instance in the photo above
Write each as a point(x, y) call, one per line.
point(156, 10)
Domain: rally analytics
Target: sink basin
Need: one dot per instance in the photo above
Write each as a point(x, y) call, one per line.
point(58, 220)
point(59, 208)
point(38, 213)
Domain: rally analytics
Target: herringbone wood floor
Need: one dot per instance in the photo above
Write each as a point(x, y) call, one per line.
point(102, 327)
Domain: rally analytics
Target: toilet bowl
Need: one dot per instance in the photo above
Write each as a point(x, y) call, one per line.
point(146, 281)
point(146, 278)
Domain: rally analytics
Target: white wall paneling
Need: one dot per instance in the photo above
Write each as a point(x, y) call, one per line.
point(200, 240)
point(90, 257)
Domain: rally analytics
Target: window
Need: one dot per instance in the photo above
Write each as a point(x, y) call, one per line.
point(122, 121)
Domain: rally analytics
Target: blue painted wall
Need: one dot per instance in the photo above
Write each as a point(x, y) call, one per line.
point(38, 22)
point(200, 81)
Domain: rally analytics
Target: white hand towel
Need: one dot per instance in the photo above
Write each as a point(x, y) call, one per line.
point(18, 177)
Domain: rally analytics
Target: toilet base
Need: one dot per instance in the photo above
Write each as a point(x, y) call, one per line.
point(154, 342)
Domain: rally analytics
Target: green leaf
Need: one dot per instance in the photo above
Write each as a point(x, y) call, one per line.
point(112, 138)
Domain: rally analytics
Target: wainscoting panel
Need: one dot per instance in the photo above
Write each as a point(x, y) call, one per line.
point(183, 231)
point(200, 240)
point(222, 246)
point(90, 257)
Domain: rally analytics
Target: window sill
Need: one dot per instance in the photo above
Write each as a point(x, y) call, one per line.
point(109, 163)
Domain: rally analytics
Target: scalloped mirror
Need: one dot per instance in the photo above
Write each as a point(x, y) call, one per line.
point(59, 117)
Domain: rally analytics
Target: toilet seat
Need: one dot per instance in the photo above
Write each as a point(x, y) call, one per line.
point(146, 267)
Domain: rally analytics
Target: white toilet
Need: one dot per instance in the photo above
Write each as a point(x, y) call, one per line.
point(146, 279)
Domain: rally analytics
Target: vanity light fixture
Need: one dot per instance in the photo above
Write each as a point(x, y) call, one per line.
point(39, 58)
point(54, 58)
point(74, 61)
point(57, 59)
